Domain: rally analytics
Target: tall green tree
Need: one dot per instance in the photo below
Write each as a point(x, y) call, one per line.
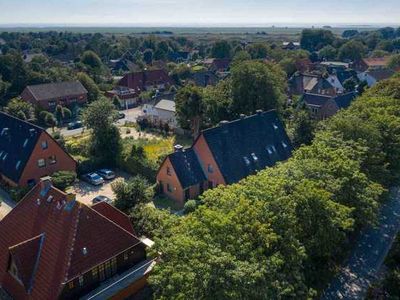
point(352, 50)
point(315, 39)
point(20, 109)
point(221, 49)
point(190, 108)
point(256, 85)
point(90, 86)
point(105, 143)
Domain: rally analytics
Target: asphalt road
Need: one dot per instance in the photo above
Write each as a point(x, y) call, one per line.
point(372, 246)
point(130, 116)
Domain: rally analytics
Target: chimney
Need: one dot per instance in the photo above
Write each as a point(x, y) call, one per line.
point(242, 116)
point(178, 148)
point(259, 111)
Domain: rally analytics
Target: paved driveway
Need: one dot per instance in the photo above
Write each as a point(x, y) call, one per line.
point(368, 255)
point(6, 204)
point(85, 192)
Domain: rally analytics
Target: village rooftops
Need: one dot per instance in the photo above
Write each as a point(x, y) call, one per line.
point(49, 91)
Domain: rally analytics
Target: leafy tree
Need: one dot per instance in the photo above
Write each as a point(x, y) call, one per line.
point(303, 128)
point(327, 53)
point(352, 50)
point(63, 179)
point(116, 102)
point(105, 143)
point(350, 33)
point(148, 56)
point(258, 51)
point(50, 120)
point(350, 84)
point(394, 62)
point(256, 85)
point(62, 113)
point(315, 39)
point(190, 108)
point(218, 102)
point(221, 49)
point(20, 109)
point(132, 192)
point(241, 56)
point(90, 86)
point(91, 60)
point(4, 86)
point(288, 65)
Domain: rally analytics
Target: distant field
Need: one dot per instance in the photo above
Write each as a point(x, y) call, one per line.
point(182, 30)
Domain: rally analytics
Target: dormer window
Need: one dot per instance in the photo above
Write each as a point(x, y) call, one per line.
point(13, 270)
point(45, 145)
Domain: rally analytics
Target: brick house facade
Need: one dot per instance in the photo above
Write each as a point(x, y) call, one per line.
point(28, 152)
point(49, 95)
point(224, 155)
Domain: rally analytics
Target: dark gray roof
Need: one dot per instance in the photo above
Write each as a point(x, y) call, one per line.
point(344, 101)
point(49, 91)
point(187, 167)
point(244, 146)
point(315, 99)
point(17, 141)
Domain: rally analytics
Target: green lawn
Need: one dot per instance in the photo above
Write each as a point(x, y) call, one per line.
point(166, 203)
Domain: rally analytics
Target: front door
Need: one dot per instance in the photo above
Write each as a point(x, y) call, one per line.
point(187, 194)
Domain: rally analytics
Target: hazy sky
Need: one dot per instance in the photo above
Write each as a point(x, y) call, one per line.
point(199, 11)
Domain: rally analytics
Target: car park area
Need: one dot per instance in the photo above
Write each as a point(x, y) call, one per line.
point(86, 192)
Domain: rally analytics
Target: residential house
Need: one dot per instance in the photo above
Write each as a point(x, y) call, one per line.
point(315, 83)
point(369, 63)
point(179, 56)
point(53, 247)
point(204, 78)
point(163, 112)
point(290, 45)
point(49, 95)
point(325, 106)
point(217, 64)
point(371, 77)
point(128, 98)
point(147, 80)
point(28, 152)
point(224, 155)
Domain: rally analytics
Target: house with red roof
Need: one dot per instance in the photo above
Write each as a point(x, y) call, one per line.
point(146, 80)
point(54, 247)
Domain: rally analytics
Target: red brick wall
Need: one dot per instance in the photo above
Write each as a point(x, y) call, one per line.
point(28, 97)
point(33, 171)
point(205, 157)
point(328, 110)
point(177, 193)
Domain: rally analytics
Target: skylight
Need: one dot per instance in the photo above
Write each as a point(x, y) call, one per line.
point(246, 160)
point(5, 155)
point(253, 155)
point(275, 127)
point(18, 165)
point(284, 145)
point(25, 143)
point(269, 149)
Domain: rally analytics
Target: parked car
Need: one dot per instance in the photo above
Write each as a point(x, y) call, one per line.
point(121, 115)
point(106, 174)
point(74, 125)
point(101, 198)
point(93, 178)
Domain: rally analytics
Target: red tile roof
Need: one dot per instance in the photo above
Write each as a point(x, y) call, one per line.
point(377, 61)
point(68, 227)
point(139, 80)
point(115, 215)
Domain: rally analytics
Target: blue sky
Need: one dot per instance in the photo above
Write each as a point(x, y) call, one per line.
point(172, 12)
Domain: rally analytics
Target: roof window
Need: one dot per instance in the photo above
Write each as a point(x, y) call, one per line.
point(253, 155)
point(246, 160)
point(25, 143)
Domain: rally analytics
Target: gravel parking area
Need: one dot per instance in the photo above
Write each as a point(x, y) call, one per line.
point(85, 192)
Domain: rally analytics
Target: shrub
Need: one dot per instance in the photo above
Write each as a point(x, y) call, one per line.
point(63, 179)
point(190, 206)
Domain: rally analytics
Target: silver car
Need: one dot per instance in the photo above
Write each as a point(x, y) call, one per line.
point(106, 174)
point(93, 178)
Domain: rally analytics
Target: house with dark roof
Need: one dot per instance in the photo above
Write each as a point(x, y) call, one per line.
point(49, 95)
point(217, 64)
point(224, 155)
point(371, 77)
point(147, 80)
point(28, 152)
point(315, 83)
point(53, 247)
point(204, 78)
point(325, 106)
